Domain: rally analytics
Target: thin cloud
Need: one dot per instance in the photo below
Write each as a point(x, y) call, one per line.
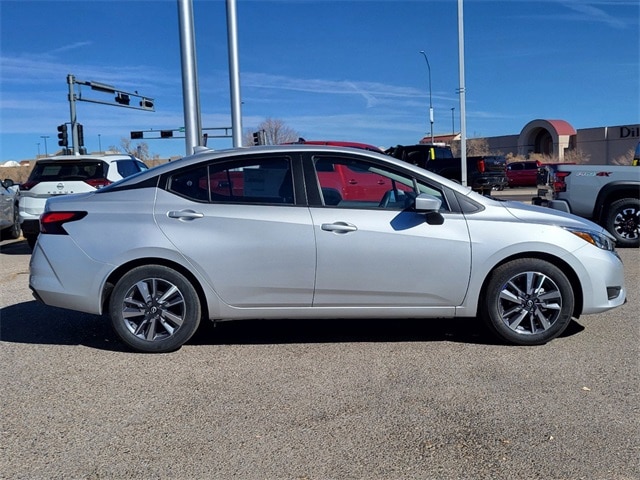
point(589, 12)
point(66, 48)
point(371, 91)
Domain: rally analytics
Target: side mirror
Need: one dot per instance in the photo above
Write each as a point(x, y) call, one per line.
point(7, 182)
point(427, 203)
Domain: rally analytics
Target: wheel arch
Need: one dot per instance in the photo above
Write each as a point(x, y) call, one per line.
point(119, 272)
point(554, 260)
point(612, 192)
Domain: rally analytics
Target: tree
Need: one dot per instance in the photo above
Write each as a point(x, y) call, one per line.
point(276, 132)
point(140, 150)
point(475, 147)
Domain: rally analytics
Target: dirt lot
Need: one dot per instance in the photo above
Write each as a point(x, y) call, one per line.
point(436, 399)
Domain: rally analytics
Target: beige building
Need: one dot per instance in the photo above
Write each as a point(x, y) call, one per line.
point(599, 145)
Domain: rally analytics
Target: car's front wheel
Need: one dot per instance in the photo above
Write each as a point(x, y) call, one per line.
point(154, 308)
point(528, 301)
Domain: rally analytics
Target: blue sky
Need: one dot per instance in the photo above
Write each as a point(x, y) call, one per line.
point(339, 70)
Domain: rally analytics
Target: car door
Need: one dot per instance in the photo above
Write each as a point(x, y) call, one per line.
point(238, 224)
point(387, 255)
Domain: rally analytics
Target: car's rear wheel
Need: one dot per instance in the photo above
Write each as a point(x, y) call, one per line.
point(154, 308)
point(623, 222)
point(528, 301)
point(31, 240)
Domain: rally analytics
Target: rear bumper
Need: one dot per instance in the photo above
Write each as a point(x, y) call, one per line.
point(560, 205)
point(55, 280)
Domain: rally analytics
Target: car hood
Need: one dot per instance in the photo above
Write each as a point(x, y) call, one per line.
point(536, 214)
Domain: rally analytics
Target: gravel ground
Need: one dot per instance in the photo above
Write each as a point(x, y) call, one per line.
point(433, 399)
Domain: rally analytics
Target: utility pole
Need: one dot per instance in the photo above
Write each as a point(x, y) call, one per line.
point(430, 100)
point(190, 95)
point(234, 73)
point(463, 120)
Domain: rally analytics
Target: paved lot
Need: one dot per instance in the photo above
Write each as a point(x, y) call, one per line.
point(436, 399)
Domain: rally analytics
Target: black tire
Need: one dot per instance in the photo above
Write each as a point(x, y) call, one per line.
point(527, 302)
point(31, 240)
point(154, 309)
point(13, 231)
point(623, 222)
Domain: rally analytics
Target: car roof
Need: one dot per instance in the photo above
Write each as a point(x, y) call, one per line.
point(110, 157)
point(205, 154)
point(338, 143)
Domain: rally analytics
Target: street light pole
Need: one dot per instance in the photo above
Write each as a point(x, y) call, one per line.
point(453, 123)
point(46, 154)
point(430, 99)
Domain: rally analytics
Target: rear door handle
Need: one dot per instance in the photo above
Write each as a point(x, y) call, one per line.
point(184, 214)
point(339, 227)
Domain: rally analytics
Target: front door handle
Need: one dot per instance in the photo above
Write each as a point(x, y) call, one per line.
point(339, 227)
point(184, 214)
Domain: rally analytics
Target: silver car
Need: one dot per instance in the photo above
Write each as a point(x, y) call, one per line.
point(305, 231)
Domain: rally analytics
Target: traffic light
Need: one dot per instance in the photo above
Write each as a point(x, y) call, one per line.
point(166, 133)
point(146, 104)
point(123, 99)
point(136, 135)
point(80, 134)
point(257, 138)
point(63, 138)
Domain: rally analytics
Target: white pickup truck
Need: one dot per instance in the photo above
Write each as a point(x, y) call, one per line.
point(606, 194)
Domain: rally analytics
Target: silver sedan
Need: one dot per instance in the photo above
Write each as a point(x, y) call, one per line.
point(305, 231)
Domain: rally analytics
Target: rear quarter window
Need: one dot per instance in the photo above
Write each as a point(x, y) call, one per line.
point(127, 168)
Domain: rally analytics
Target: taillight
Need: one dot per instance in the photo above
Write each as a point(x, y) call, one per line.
point(28, 185)
point(97, 182)
point(481, 166)
point(559, 185)
point(52, 222)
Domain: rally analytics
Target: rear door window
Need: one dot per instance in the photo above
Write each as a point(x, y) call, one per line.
point(256, 181)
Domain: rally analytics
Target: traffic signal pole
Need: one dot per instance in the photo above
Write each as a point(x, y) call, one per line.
point(72, 107)
point(190, 98)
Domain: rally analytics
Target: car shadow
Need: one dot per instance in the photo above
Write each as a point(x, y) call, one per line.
point(33, 323)
point(15, 247)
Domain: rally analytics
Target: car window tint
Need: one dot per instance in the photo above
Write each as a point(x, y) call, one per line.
point(67, 170)
point(191, 183)
point(353, 183)
point(127, 167)
point(266, 180)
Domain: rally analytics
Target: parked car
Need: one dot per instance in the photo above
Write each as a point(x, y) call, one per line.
point(276, 248)
point(9, 217)
point(523, 174)
point(62, 175)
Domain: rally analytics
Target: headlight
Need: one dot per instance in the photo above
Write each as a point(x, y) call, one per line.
point(597, 239)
